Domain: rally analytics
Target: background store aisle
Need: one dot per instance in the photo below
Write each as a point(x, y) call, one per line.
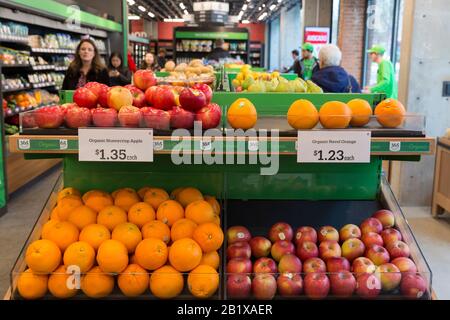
point(24, 207)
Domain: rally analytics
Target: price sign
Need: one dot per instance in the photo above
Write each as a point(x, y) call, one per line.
point(125, 145)
point(333, 146)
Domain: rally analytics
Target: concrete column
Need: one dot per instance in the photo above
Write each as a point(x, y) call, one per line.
point(317, 13)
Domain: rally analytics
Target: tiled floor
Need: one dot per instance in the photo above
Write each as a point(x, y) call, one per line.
point(433, 235)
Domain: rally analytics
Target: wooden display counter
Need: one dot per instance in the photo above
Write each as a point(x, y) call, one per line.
point(441, 189)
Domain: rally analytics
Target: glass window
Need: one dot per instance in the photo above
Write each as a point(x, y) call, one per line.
point(274, 54)
point(335, 21)
point(291, 35)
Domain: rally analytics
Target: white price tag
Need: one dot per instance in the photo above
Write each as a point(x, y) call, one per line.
point(158, 145)
point(253, 145)
point(24, 144)
point(116, 145)
point(333, 146)
point(63, 144)
point(395, 146)
point(205, 145)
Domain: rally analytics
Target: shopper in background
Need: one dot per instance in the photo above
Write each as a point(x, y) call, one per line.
point(131, 63)
point(149, 62)
point(385, 76)
point(308, 64)
point(219, 52)
point(118, 75)
point(86, 67)
point(331, 77)
point(296, 65)
point(162, 58)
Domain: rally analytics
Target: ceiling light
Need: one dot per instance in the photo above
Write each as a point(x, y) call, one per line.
point(244, 7)
point(279, 1)
point(245, 21)
point(263, 5)
point(151, 14)
point(142, 8)
point(273, 6)
point(182, 6)
point(134, 18)
point(262, 16)
point(249, 0)
point(173, 20)
point(131, 2)
point(259, 8)
point(186, 12)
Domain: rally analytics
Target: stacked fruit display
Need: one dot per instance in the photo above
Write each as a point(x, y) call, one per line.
point(143, 104)
point(188, 73)
point(363, 261)
point(121, 238)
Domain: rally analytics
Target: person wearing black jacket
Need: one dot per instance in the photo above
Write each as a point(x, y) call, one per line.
point(86, 67)
point(118, 75)
point(218, 53)
point(296, 68)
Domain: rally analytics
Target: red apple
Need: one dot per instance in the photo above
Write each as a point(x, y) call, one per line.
point(336, 264)
point(290, 285)
point(305, 233)
point(77, 117)
point(207, 91)
point(317, 285)
point(192, 100)
point(49, 117)
point(104, 117)
point(264, 286)
point(85, 98)
point(149, 94)
point(377, 254)
point(328, 249)
point(239, 286)
point(265, 265)
point(155, 118)
point(95, 87)
point(363, 265)
point(342, 284)
point(306, 250)
point(352, 249)
point(239, 250)
point(371, 225)
point(289, 263)
point(64, 107)
point(314, 265)
point(391, 235)
point(349, 231)
point(239, 265)
point(209, 116)
point(405, 265)
point(119, 97)
point(371, 238)
point(28, 120)
point(328, 233)
point(389, 275)
point(164, 98)
point(368, 286)
point(413, 286)
point(386, 217)
point(281, 231)
point(260, 247)
point(280, 248)
point(103, 97)
point(144, 79)
point(129, 117)
point(138, 96)
point(181, 119)
point(398, 249)
point(237, 234)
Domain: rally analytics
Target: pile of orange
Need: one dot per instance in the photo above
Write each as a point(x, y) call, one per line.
point(94, 240)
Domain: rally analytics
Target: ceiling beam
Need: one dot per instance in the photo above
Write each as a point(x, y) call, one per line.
point(177, 7)
point(171, 12)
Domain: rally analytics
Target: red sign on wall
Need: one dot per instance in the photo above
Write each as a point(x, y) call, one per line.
point(317, 37)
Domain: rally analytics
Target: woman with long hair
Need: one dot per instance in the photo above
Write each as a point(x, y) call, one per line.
point(149, 62)
point(86, 67)
point(118, 75)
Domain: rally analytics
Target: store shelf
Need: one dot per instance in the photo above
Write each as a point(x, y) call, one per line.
point(7, 89)
point(27, 109)
point(43, 67)
point(43, 85)
point(14, 39)
point(48, 50)
point(14, 65)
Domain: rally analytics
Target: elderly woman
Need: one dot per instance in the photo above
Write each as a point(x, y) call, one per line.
point(332, 77)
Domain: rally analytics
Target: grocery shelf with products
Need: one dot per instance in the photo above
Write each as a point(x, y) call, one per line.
point(140, 47)
point(256, 54)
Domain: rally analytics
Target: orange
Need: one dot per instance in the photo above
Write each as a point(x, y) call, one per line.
point(129, 234)
point(335, 115)
point(390, 113)
point(57, 284)
point(203, 281)
point(209, 236)
point(200, 212)
point(175, 192)
point(141, 213)
point(156, 229)
point(214, 203)
point(185, 254)
point(82, 217)
point(216, 220)
point(112, 256)
point(242, 114)
point(151, 253)
point(97, 200)
point(66, 205)
point(125, 198)
point(54, 214)
point(116, 192)
point(69, 191)
point(133, 281)
point(79, 254)
point(189, 195)
point(31, 285)
point(211, 259)
point(95, 235)
point(46, 227)
point(155, 196)
point(361, 112)
point(141, 192)
point(183, 228)
point(43, 256)
point(169, 212)
point(97, 284)
point(302, 114)
point(166, 283)
point(63, 234)
point(111, 216)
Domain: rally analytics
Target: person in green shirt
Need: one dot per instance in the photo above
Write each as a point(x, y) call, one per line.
point(308, 64)
point(386, 82)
